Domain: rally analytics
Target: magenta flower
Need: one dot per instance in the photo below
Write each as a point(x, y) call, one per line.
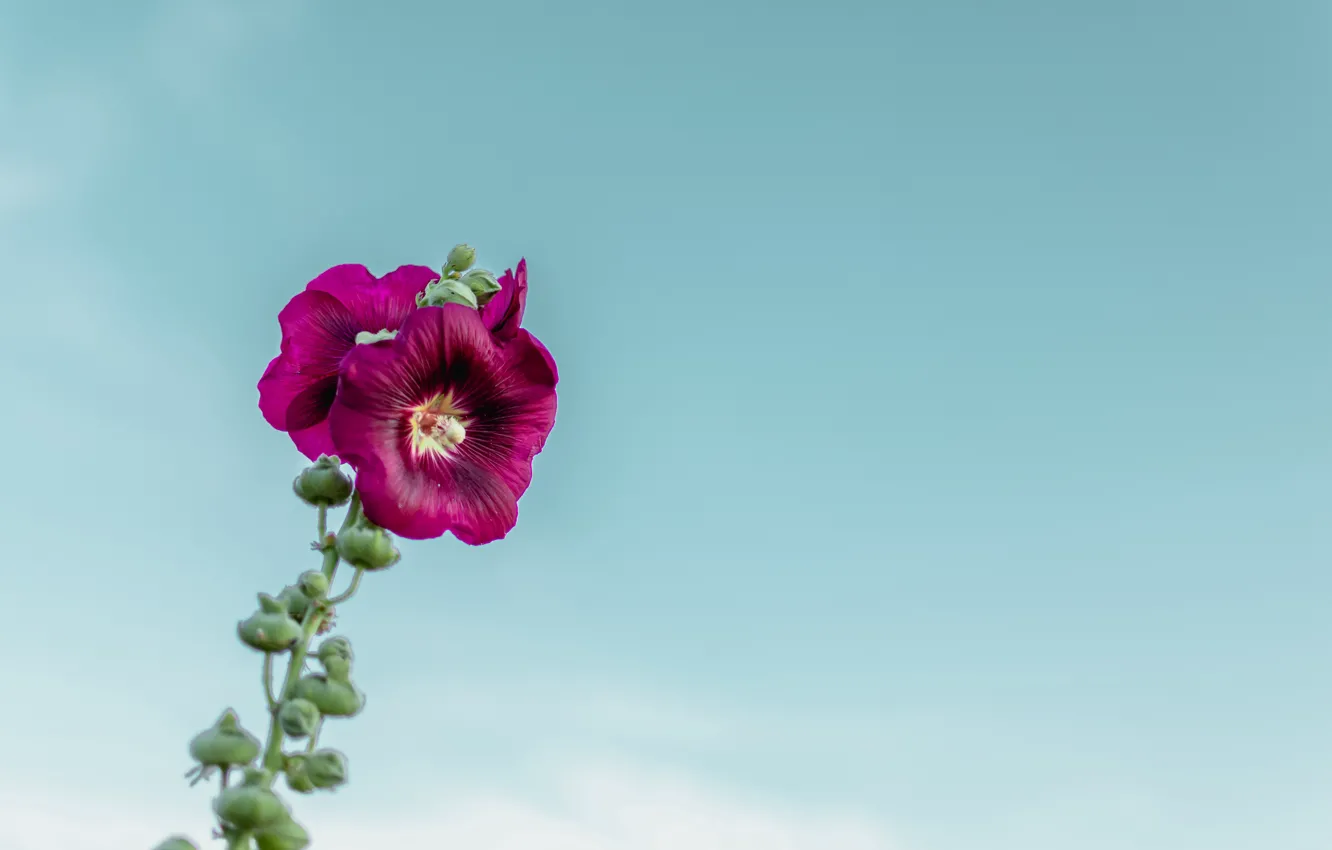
point(319, 327)
point(503, 313)
point(442, 422)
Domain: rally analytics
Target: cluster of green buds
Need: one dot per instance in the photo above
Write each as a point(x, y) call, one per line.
point(459, 283)
point(250, 813)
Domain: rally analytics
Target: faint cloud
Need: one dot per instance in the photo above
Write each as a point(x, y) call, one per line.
point(58, 133)
point(606, 711)
point(24, 184)
point(588, 807)
point(191, 44)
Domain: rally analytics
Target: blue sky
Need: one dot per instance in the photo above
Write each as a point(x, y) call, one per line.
point(942, 456)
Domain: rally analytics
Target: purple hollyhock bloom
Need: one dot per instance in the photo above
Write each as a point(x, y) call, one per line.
point(503, 313)
point(319, 327)
point(441, 424)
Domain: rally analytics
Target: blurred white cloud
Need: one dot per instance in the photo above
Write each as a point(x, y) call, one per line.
point(595, 806)
point(190, 43)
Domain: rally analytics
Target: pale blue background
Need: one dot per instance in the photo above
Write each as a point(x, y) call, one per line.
point(944, 408)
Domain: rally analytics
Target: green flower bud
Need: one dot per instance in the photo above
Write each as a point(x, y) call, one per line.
point(177, 842)
point(324, 483)
point(271, 628)
point(298, 774)
point(446, 291)
point(298, 717)
point(286, 834)
point(460, 259)
point(336, 656)
point(314, 584)
point(326, 768)
point(482, 283)
point(250, 805)
point(334, 647)
point(338, 669)
point(367, 547)
point(331, 697)
point(225, 744)
point(296, 602)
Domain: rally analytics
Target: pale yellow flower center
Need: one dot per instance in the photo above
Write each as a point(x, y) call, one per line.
point(437, 426)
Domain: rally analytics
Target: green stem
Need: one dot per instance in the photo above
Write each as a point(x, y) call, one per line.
point(268, 681)
point(351, 589)
point(272, 759)
point(314, 736)
point(353, 512)
point(273, 749)
point(323, 522)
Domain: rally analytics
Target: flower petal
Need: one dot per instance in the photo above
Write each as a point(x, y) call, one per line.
point(516, 427)
point(376, 303)
point(421, 498)
point(317, 331)
point(319, 327)
point(280, 390)
point(507, 397)
point(503, 313)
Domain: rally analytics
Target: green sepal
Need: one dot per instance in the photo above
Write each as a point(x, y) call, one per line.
point(177, 842)
point(249, 806)
point(225, 744)
point(323, 484)
point(331, 697)
point(314, 584)
point(334, 647)
point(298, 776)
point(338, 669)
point(460, 259)
point(271, 628)
point(326, 768)
point(446, 290)
point(286, 834)
point(482, 283)
point(298, 717)
point(367, 338)
point(367, 547)
point(296, 601)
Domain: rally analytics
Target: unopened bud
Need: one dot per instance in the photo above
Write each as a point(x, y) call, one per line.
point(460, 259)
point(446, 290)
point(296, 602)
point(271, 628)
point(367, 547)
point(250, 805)
point(177, 842)
point(326, 768)
point(286, 834)
point(482, 283)
point(298, 717)
point(334, 647)
point(323, 484)
point(314, 584)
point(225, 744)
point(298, 777)
point(333, 698)
point(338, 669)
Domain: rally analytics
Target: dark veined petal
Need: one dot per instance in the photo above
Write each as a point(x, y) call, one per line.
point(282, 388)
point(503, 314)
point(319, 327)
point(375, 303)
point(505, 395)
